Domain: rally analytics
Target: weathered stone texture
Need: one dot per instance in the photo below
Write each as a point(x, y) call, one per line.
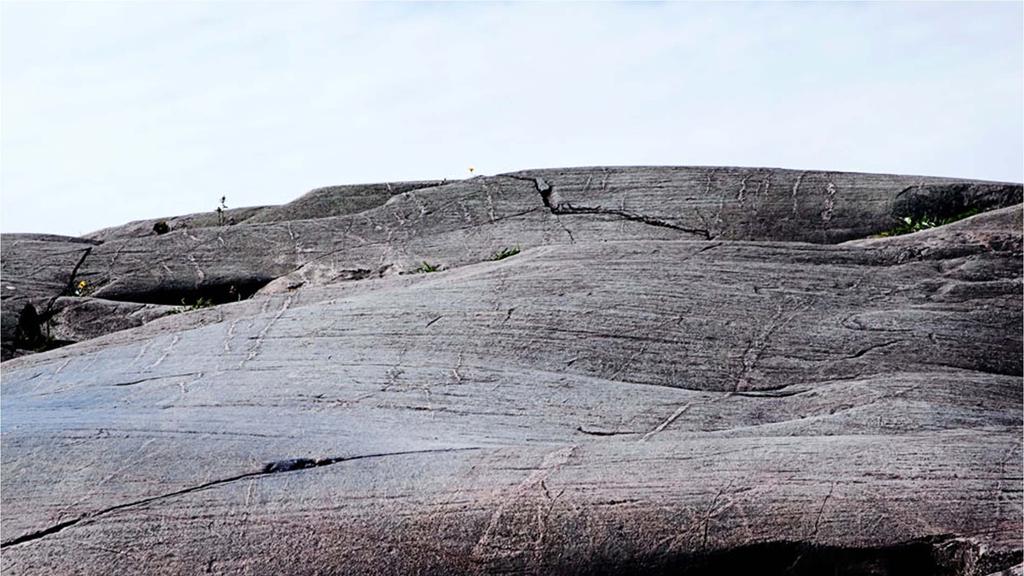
point(710, 370)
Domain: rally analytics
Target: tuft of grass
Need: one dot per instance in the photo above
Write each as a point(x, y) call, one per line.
point(505, 253)
point(199, 304)
point(426, 267)
point(910, 224)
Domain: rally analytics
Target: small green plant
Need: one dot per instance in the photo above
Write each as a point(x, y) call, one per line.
point(505, 253)
point(220, 210)
point(199, 304)
point(426, 267)
point(910, 224)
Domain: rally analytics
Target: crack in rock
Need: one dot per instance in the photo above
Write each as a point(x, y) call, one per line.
point(276, 467)
point(547, 194)
point(69, 290)
point(601, 432)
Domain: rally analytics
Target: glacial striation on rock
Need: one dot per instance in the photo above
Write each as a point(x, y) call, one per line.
point(683, 370)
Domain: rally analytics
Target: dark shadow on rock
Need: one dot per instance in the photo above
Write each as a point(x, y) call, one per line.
point(938, 556)
point(221, 292)
point(943, 201)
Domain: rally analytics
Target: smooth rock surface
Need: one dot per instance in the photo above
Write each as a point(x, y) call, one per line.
point(696, 370)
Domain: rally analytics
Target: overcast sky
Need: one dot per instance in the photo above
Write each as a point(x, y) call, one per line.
point(113, 112)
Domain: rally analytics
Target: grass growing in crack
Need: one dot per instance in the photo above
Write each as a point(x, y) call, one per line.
point(505, 253)
point(199, 304)
point(910, 224)
point(427, 267)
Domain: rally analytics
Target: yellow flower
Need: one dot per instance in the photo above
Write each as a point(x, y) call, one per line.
point(82, 284)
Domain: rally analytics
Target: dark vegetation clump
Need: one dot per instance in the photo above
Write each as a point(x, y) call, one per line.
point(199, 304)
point(911, 224)
point(426, 267)
point(505, 253)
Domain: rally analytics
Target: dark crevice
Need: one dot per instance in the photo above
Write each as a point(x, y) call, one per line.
point(557, 207)
point(929, 206)
point(943, 555)
point(598, 432)
point(566, 208)
point(43, 533)
point(275, 467)
point(154, 378)
point(292, 464)
point(860, 353)
point(223, 292)
point(69, 288)
point(355, 274)
point(951, 200)
point(778, 392)
point(33, 332)
point(540, 184)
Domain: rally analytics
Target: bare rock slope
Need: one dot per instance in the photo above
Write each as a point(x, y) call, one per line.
point(682, 370)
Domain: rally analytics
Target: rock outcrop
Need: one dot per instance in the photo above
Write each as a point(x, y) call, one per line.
point(697, 370)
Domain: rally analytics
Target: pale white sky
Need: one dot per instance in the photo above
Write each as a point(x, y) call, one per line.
point(111, 112)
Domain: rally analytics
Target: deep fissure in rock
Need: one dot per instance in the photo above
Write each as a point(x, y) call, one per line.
point(33, 332)
point(275, 467)
point(547, 195)
point(935, 556)
point(211, 294)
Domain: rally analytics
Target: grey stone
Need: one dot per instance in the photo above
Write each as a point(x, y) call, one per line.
point(37, 269)
point(340, 200)
point(211, 219)
point(683, 369)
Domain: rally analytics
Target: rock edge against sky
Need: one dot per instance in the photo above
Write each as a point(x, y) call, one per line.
point(707, 369)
